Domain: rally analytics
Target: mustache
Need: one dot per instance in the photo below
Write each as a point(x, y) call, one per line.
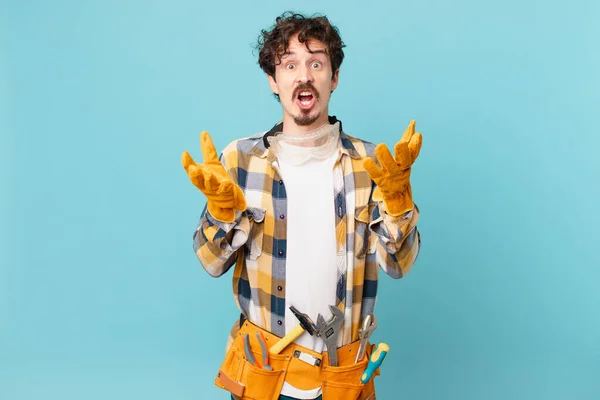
point(305, 86)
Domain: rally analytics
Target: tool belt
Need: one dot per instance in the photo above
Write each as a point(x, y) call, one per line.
point(299, 366)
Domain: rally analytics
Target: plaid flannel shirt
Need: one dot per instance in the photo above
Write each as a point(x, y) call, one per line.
point(367, 237)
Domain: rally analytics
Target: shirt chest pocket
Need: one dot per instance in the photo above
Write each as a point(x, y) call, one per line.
point(254, 244)
point(361, 231)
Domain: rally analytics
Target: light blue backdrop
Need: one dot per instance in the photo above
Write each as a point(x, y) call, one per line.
point(101, 295)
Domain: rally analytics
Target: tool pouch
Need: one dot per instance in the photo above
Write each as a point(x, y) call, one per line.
point(343, 381)
point(248, 382)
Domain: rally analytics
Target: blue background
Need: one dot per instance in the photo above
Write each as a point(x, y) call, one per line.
point(101, 295)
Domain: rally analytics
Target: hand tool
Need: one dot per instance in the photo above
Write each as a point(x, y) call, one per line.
point(364, 333)
point(329, 332)
point(248, 351)
point(305, 324)
point(375, 361)
point(263, 348)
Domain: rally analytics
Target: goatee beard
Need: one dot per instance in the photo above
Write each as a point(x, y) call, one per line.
point(305, 119)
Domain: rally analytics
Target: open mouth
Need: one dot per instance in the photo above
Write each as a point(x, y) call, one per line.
point(305, 99)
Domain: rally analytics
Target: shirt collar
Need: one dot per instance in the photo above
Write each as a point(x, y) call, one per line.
point(261, 148)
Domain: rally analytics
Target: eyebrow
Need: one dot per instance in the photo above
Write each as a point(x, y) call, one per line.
point(291, 53)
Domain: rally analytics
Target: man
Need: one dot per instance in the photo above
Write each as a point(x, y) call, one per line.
point(308, 216)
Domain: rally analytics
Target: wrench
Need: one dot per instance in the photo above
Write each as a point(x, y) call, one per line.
point(329, 332)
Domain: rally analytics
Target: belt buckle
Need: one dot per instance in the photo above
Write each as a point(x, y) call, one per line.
point(307, 358)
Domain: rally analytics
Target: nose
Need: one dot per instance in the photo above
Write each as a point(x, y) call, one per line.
point(304, 75)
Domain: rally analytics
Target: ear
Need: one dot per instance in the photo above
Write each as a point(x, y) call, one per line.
point(273, 84)
point(334, 79)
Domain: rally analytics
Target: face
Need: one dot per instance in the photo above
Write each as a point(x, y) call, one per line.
point(304, 81)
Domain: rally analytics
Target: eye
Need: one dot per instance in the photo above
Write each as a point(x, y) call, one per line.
point(316, 64)
point(290, 66)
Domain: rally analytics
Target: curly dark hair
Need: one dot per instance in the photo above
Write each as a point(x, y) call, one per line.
point(273, 44)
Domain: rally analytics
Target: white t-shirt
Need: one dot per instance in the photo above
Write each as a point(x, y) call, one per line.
point(311, 273)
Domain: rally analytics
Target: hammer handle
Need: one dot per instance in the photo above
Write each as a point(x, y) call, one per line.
point(287, 339)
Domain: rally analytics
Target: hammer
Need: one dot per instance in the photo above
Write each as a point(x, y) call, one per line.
point(305, 324)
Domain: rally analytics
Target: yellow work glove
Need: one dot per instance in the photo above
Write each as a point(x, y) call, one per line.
point(393, 177)
point(223, 195)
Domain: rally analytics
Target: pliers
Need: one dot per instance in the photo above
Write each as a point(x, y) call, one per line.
point(364, 333)
point(263, 346)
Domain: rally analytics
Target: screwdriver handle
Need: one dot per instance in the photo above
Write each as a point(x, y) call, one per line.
point(375, 361)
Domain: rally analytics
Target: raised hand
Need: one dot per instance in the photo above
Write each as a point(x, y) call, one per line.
point(223, 195)
point(393, 177)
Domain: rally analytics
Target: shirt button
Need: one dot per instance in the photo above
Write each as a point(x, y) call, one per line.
point(280, 252)
point(281, 216)
point(280, 182)
point(279, 322)
point(279, 288)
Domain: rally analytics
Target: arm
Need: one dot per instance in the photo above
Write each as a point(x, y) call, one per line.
point(394, 215)
point(224, 226)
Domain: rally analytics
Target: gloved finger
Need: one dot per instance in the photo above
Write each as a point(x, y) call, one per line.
point(401, 151)
point(210, 181)
point(186, 160)
point(409, 131)
point(196, 175)
point(372, 168)
point(209, 152)
point(414, 146)
point(377, 194)
point(226, 189)
point(402, 154)
point(385, 159)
